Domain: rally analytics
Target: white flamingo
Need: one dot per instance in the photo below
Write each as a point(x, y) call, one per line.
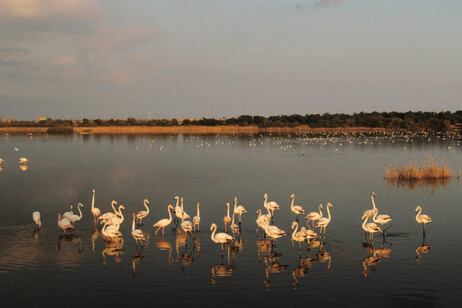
point(68, 214)
point(141, 214)
point(187, 226)
point(297, 209)
point(239, 210)
point(94, 210)
point(74, 218)
point(273, 231)
point(323, 222)
point(370, 227)
point(197, 218)
point(233, 227)
point(183, 214)
point(178, 210)
point(313, 216)
point(108, 215)
point(64, 223)
point(118, 218)
point(381, 219)
point(271, 205)
point(227, 218)
point(1, 161)
point(23, 160)
point(370, 213)
point(111, 231)
point(422, 219)
point(298, 236)
point(261, 219)
point(36, 218)
point(164, 222)
point(220, 238)
point(137, 233)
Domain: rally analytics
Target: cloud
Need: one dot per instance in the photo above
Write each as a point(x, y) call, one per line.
point(14, 57)
point(326, 3)
point(120, 77)
point(64, 60)
point(111, 38)
point(34, 9)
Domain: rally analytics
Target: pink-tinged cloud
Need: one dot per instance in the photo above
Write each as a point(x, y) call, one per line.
point(120, 77)
point(32, 9)
point(110, 38)
point(65, 60)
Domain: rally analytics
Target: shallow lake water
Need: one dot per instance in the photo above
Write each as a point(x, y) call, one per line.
point(46, 268)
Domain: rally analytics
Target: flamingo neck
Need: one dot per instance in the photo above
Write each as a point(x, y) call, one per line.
point(292, 204)
point(320, 210)
point(133, 223)
point(259, 214)
point(177, 202)
point(78, 207)
point(213, 233)
point(113, 203)
point(146, 206)
point(374, 218)
point(418, 213)
point(235, 204)
point(198, 210)
point(169, 214)
point(364, 224)
point(93, 201)
point(295, 231)
point(373, 202)
point(227, 212)
point(328, 213)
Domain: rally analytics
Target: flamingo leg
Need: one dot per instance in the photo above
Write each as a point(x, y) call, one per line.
point(163, 230)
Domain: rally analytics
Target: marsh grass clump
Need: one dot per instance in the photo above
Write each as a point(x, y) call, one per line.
point(414, 171)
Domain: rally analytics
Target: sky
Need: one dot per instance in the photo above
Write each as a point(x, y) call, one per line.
point(223, 58)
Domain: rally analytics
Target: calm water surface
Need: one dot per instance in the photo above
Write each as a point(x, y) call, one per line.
point(47, 269)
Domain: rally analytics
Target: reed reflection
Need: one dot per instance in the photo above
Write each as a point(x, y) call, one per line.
point(426, 184)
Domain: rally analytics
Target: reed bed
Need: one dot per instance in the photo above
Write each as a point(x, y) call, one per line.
point(414, 171)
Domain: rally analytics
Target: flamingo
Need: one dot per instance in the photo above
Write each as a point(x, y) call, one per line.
point(23, 160)
point(227, 218)
point(298, 236)
point(239, 210)
point(220, 238)
point(74, 218)
point(137, 233)
point(297, 209)
point(178, 210)
point(116, 220)
point(315, 215)
point(36, 218)
point(94, 210)
point(108, 215)
point(309, 234)
point(64, 223)
point(273, 231)
point(422, 219)
point(111, 231)
point(370, 213)
point(381, 219)
point(68, 214)
point(233, 227)
point(164, 222)
point(270, 206)
point(323, 221)
point(1, 161)
point(187, 226)
point(370, 227)
point(197, 218)
point(183, 215)
point(141, 214)
point(261, 219)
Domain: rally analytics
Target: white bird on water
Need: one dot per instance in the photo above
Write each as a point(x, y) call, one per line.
point(94, 210)
point(137, 233)
point(141, 214)
point(64, 223)
point(239, 210)
point(68, 214)
point(220, 238)
point(23, 160)
point(36, 218)
point(422, 219)
point(370, 213)
point(313, 216)
point(227, 218)
point(323, 222)
point(74, 218)
point(370, 227)
point(271, 205)
point(164, 222)
point(296, 209)
point(197, 218)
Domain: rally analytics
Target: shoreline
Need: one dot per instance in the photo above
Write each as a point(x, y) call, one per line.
point(195, 129)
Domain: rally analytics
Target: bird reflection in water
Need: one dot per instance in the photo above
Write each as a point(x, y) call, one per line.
point(72, 239)
point(94, 236)
point(422, 249)
point(136, 258)
point(23, 167)
point(222, 270)
point(36, 234)
point(375, 256)
point(263, 246)
point(236, 247)
point(113, 248)
point(324, 256)
point(165, 245)
point(272, 266)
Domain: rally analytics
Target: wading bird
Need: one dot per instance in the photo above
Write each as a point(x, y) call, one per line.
point(137, 233)
point(36, 218)
point(164, 222)
point(370, 227)
point(74, 218)
point(94, 210)
point(270, 206)
point(220, 238)
point(422, 219)
point(323, 221)
point(239, 210)
point(141, 214)
point(197, 218)
point(64, 223)
point(227, 218)
point(296, 209)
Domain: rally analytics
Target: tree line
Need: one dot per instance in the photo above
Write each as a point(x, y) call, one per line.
point(413, 121)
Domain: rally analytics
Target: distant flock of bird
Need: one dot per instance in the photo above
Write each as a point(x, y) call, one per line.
point(22, 162)
point(111, 221)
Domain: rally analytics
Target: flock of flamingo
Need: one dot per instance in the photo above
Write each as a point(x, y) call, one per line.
point(111, 221)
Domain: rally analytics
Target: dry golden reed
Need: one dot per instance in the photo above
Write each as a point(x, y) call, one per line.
point(415, 171)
